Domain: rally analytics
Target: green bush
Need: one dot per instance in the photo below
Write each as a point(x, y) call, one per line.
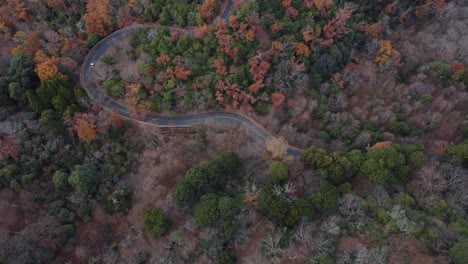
point(68, 230)
point(457, 154)
point(228, 207)
point(226, 258)
point(114, 87)
point(416, 158)
point(92, 40)
point(437, 69)
point(109, 60)
point(262, 107)
point(84, 211)
point(461, 76)
point(230, 163)
point(206, 212)
point(60, 180)
point(323, 135)
point(84, 178)
point(459, 252)
point(425, 98)
point(156, 221)
point(279, 171)
point(184, 193)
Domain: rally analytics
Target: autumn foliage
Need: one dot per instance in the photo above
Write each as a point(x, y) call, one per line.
point(97, 19)
point(380, 145)
point(85, 130)
point(456, 67)
point(385, 51)
point(220, 67)
point(46, 67)
point(277, 99)
point(301, 49)
point(207, 10)
point(336, 28)
point(320, 4)
point(373, 30)
point(258, 68)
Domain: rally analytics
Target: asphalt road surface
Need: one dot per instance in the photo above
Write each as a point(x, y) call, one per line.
point(96, 93)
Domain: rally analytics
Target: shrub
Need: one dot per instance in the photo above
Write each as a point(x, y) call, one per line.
point(156, 221)
point(118, 201)
point(323, 135)
point(60, 180)
point(84, 178)
point(114, 87)
point(206, 212)
point(68, 230)
point(184, 193)
point(279, 171)
point(84, 211)
point(425, 98)
point(92, 40)
point(458, 154)
point(459, 252)
point(262, 108)
point(437, 69)
point(461, 76)
point(417, 158)
point(228, 207)
point(230, 163)
point(226, 258)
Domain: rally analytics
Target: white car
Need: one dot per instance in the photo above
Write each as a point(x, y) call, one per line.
point(91, 64)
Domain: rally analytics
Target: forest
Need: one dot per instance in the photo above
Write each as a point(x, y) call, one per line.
point(233, 131)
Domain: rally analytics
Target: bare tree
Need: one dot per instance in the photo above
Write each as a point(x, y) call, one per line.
point(271, 247)
point(381, 197)
point(357, 255)
point(378, 255)
point(350, 206)
point(303, 234)
point(453, 175)
point(402, 221)
point(277, 147)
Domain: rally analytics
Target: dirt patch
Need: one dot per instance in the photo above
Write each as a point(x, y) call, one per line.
point(5, 57)
point(406, 249)
point(96, 236)
point(250, 251)
point(361, 185)
point(17, 210)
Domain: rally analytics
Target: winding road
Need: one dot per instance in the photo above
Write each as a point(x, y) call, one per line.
point(222, 117)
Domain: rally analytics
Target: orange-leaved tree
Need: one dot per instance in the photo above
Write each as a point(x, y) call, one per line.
point(47, 70)
point(85, 130)
point(277, 99)
point(207, 10)
point(182, 74)
point(301, 49)
point(336, 28)
point(97, 19)
point(220, 67)
point(286, 3)
point(46, 67)
point(320, 4)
